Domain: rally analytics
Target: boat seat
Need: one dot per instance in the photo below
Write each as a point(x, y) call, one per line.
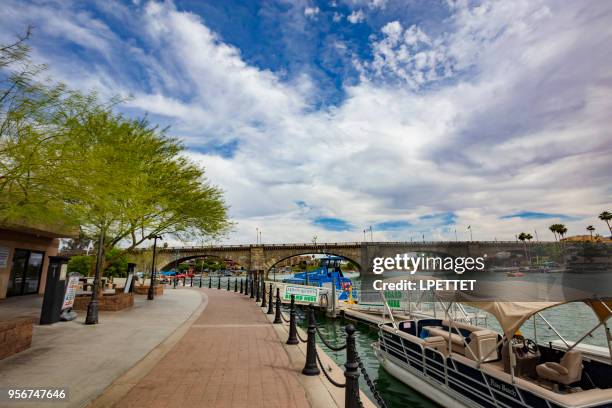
point(482, 345)
point(567, 371)
point(438, 343)
point(456, 340)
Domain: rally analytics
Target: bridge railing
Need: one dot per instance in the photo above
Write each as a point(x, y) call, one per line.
point(348, 244)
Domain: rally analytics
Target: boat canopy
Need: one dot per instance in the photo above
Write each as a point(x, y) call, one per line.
point(512, 315)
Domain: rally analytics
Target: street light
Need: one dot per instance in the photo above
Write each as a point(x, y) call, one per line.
point(92, 307)
point(151, 293)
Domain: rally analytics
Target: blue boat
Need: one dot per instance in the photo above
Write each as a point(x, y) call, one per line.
point(325, 275)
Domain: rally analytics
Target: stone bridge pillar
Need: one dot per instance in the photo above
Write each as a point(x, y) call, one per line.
point(258, 259)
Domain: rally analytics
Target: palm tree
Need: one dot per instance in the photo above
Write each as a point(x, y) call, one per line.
point(606, 216)
point(555, 229)
point(590, 228)
point(562, 230)
point(525, 237)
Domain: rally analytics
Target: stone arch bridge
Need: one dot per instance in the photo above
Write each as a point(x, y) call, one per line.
point(260, 258)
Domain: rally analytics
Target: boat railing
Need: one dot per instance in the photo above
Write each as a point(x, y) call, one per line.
point(436, 366)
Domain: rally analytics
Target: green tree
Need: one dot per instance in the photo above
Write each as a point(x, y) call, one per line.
point(117, 262)
point(133, 182)
point(68, 159)
point(82, 264)
point(606, 217)
point(29, 109)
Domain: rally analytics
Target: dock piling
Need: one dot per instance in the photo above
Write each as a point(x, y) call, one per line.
point(270, 303)
point(263, 293)
point(351, 373)
point(292, 327)
point(277, 317)
point(310, 368)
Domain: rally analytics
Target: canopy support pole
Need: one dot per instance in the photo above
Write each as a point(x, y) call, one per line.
point(553, 329)
point(585, 336)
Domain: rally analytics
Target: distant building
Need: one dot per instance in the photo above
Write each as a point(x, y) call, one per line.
point(24, 257)
point(296, 261)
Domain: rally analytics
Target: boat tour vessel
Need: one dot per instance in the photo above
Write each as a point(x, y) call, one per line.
point(458, 364)
point(327, 275)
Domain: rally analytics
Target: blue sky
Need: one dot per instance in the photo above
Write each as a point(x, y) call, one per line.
point(328, 117)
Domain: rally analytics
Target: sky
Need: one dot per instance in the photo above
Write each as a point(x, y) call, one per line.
point(325, 118)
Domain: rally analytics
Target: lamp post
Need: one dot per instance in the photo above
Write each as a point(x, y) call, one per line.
point(92, 307)
point(151, 293)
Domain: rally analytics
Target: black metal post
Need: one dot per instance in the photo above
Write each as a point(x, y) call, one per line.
point(241, 286)
point(270, 302)
point(277, 317)
point(257, 286)
point(252, 295)
point(201, 277)
point(92, 307)
point(228, 284)
point(351, 372)
point(175, 282)
point(235, 285)
point(263, 293)
point(184, 280)
point(246, 285)
point(219, 283)
point(191, 281)
point(310, 368)
point(209, 280)
point(292, 327)
point(151, 293)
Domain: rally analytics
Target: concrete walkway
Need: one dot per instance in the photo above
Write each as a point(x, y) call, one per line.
point(231, 356)
point(87, 359)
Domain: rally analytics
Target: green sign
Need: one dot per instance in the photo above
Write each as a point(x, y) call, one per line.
point(393, 298)
point(302, 294)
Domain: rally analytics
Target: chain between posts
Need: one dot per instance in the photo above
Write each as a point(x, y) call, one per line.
point(371, 386)
point(331, 380)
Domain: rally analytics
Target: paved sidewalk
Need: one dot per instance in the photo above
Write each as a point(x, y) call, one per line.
point(230, 357)
point(87, 359)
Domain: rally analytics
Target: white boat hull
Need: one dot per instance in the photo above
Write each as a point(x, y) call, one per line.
point(435, 393)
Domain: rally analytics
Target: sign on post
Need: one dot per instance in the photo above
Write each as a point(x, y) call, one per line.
point(302, 294)
point(71, 290)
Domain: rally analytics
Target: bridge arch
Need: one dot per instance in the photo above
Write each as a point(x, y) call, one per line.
point(275, 260)
point(171, 264)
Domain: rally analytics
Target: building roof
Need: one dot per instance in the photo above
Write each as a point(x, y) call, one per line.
point(47, 231)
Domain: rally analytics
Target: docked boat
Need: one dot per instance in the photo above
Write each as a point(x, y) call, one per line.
point(458, 364)
point(327, 275)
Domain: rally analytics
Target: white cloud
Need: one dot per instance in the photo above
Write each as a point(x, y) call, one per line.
point(356, 17)
point(311, 11)
point(337, 17)
point(506, 110)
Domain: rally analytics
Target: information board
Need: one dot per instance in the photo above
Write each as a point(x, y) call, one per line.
point(302, 294)
point(71, 290)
